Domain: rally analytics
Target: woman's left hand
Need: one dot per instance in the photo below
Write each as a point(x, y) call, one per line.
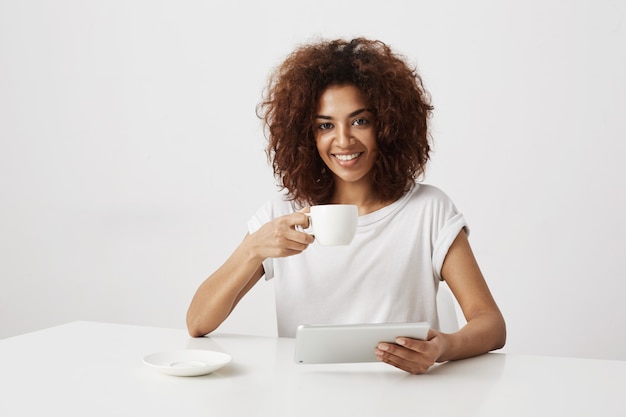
point(412, 355)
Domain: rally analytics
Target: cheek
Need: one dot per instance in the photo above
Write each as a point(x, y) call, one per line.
point(321, 145)
point(373, 148)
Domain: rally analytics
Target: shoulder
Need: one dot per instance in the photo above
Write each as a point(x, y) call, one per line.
point(278, 205)
point(433, 204)
point(428, 194)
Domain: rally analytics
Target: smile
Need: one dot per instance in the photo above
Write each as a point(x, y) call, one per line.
point(347, 157)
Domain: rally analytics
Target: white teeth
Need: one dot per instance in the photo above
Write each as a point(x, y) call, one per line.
point(347, 157)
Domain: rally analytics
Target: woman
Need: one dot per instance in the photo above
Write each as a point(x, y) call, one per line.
point(347, 123)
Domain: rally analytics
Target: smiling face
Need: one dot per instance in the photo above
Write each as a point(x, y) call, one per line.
point(345, 134)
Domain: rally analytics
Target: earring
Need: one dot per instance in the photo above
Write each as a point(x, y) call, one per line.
point(322, 174)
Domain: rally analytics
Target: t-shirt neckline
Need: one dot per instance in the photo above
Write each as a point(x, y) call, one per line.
point(380, 214)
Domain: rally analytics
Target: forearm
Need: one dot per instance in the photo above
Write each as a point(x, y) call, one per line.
point(483, 333)
point(218, 294)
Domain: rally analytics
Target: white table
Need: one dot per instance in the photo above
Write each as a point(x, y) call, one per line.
point(96, 369)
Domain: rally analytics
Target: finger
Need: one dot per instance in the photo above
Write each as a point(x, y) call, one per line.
point(299, 218)
point(296, 240)
point(288, 247)
point(390, 349)
point(307, 221)
point(300, 237)
point(290, 252)
point(306, 239)
point(300, 221)
point(407, 355)
point(407, 366)
point(415, 345)
point(432, 333)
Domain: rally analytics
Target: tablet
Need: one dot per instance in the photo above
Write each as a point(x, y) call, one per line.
point(347, 343)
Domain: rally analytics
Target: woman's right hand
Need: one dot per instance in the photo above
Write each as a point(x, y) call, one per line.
point(280, 237)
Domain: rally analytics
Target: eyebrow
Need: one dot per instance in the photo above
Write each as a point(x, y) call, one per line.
point(354, 113)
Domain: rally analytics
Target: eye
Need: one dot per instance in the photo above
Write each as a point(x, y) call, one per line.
point(325, 126)
point(360, 122)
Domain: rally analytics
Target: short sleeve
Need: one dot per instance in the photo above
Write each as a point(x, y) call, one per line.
point(261, 217)
point(448, 232)
point(274, 208)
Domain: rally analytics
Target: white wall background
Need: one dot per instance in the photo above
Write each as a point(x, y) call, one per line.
point(131, 157)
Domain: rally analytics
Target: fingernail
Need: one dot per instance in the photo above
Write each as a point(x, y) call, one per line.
point(383, 347)
point(401, 341)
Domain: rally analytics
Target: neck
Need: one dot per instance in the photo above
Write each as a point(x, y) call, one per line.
point(359, 194)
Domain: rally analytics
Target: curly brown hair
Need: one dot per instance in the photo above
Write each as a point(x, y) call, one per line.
point(393, 91)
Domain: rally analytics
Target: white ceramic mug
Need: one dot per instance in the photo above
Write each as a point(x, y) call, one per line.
point(333, 224)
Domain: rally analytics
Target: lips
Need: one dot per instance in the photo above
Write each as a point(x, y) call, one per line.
point(347, 157)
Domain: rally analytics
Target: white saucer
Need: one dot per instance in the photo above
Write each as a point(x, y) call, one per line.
point(187, 362)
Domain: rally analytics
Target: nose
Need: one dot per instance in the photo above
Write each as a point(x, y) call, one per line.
point(344, 136)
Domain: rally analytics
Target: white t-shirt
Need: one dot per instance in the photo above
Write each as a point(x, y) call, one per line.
point(389, 273)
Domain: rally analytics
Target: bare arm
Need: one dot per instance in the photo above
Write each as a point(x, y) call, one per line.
point(218, 295)
point(485, 329)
